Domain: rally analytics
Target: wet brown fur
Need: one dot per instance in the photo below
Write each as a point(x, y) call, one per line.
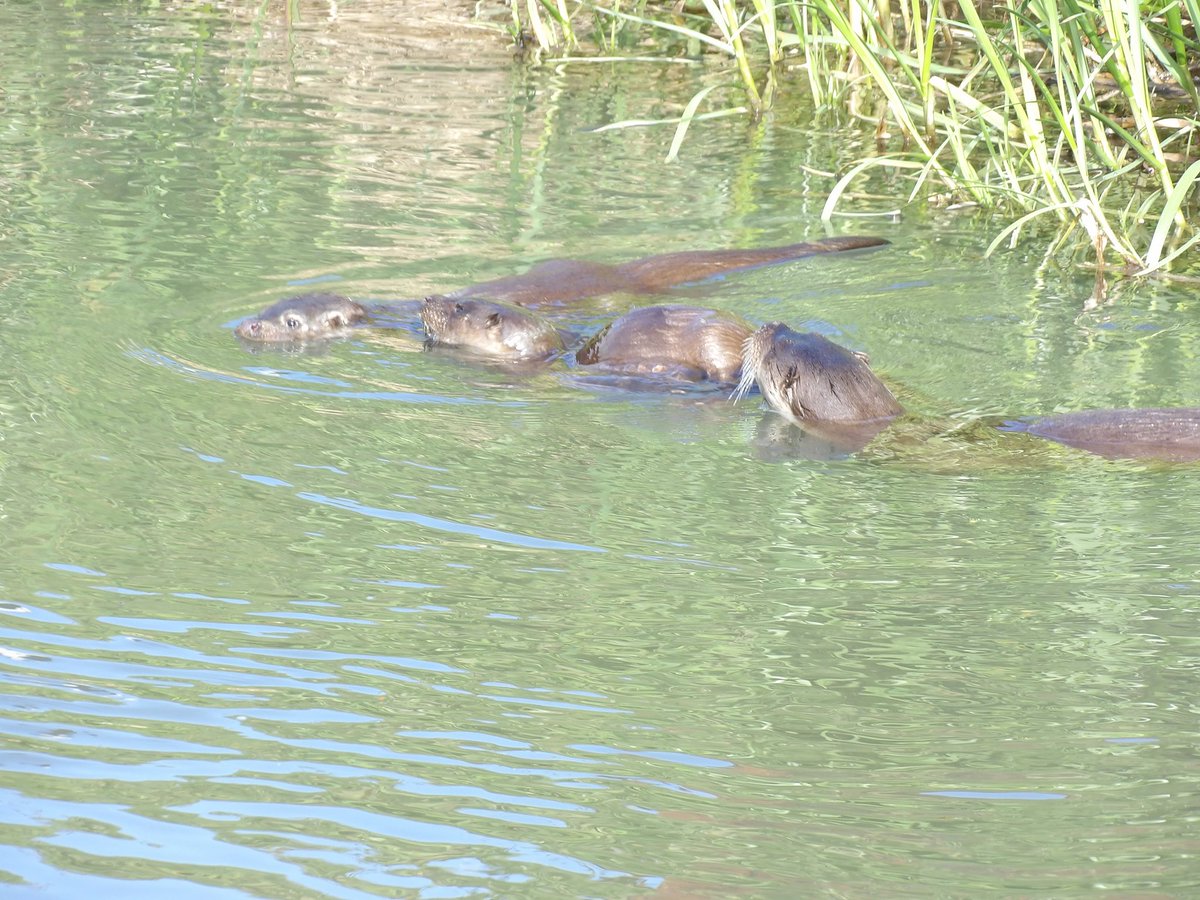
point(316, 316)
point(686, 342)
point(566, 280)
point(1167, 434)
point(495, 330)
point(808, 378)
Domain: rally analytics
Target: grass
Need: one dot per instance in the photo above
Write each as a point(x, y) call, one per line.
point(1083, 113)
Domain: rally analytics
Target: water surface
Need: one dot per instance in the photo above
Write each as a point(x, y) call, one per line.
point(375, 622)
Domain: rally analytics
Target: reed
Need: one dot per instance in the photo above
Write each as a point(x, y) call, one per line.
point(1084, 112)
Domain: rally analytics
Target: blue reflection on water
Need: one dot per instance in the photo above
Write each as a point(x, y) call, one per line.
point(488, 534)
point(156, 358)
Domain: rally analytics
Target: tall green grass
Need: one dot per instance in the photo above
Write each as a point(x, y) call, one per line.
point(1084, 113)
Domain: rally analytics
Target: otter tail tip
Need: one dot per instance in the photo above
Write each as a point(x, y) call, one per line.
point(862, 242)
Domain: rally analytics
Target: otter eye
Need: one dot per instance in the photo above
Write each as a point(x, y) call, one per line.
point(292, 322)
point(493, 320)
point(458, 307)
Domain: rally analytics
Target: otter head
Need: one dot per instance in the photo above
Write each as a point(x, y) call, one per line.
point(489, 329)
point(307, 317)
point(808, 378)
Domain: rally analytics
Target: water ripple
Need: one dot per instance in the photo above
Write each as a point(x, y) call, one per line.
point(193, 370)
point(488, 534)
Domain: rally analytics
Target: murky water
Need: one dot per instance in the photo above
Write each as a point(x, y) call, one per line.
point(373, 622)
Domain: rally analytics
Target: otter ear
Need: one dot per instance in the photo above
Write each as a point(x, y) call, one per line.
point(335, 320)
point(493, 320)
point(866, 359)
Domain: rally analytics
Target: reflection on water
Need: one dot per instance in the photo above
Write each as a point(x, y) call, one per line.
point(777, 440)
point(288, 381)
point(368, 622)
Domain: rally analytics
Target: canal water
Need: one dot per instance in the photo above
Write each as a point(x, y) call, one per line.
point(370, 621)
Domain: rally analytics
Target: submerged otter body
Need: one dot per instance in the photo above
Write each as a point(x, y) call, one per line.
point(828, 390)
point(318, 316)
point(683, 342)
point(1168, 434)
point(495, 330)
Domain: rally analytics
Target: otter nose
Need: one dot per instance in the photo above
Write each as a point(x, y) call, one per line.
point(250, 328)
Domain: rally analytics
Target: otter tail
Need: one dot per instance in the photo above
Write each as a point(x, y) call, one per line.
point(653, 274)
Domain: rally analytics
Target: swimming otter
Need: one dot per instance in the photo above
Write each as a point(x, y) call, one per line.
point(566, 280)
point(315, 316)
point(685, 342)
point(303, 318)
point(833, 393)
point(809, 378)
point(490, 329)
point(1168, 434)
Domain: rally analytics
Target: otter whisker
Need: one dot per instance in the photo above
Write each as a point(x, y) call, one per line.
point(744, 385)
point(752, 353)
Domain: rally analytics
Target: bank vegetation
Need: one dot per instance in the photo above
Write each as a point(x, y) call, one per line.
point(1078, 115)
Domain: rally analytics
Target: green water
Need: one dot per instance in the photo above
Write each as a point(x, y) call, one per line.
point(372, 622)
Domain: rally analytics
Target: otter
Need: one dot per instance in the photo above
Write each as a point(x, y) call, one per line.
point(808, 378)
point(491, 329)
point(317, 316)
point(689, 343)
point(1170, 434)
point(303, 318)
point(832, 392)
point(565, 280)
point(828, 390)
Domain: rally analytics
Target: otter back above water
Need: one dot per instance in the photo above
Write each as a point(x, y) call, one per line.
point(832, 392)
point(567, 280)
point(808, 378)
point(1171, 434)
point(687, 342)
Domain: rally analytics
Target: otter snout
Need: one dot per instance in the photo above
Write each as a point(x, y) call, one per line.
point(251, 329)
